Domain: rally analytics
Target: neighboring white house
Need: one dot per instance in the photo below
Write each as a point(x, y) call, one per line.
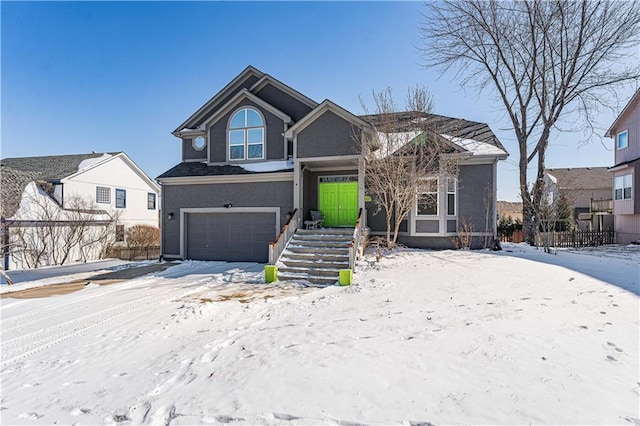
point(49, 195)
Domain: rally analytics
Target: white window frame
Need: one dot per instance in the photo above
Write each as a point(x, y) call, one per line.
point(626, 133)
point(246, 130)
point(194, 145)
point(108, 192)
point(618, 185)
point(455, 197)
point(437, 180)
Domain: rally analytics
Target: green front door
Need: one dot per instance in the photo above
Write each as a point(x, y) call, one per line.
point(339, 203)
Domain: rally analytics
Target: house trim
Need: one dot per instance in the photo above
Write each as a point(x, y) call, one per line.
point(611, 132)
point(211, 103)
point(241, 95)
point(126, 159)
point(185, 211)
point(267, 79)
point(244, 178)
point(325, 106)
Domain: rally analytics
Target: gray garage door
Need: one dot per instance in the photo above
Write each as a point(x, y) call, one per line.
point(239, 237)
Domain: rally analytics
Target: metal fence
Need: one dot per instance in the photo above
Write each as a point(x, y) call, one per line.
point(134, 253)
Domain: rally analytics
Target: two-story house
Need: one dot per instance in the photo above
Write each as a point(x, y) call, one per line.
point(588, 191)
point(258, 151)
point(55, 192)
point(625, 131)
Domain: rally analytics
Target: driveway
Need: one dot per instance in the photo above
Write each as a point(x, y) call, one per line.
point(24, 275)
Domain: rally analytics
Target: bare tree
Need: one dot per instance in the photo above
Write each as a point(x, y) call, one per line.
point(43, 233)
point(399, 154)
point(542, 60)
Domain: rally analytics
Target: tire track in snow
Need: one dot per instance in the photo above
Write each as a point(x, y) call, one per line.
point(18, 322)
point(49, 312)
point(28, 344)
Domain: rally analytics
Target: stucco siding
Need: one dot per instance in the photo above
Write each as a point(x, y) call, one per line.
point(284, 102)
point(189, 153)
point(474, 190)
point(255, 194)
point(274, 139)
point(328, 135)
point(246, 84)
point(428, 226)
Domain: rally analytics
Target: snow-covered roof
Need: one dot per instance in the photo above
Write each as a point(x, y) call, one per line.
point(475, 147)
point(85, 164)
point(268, 166)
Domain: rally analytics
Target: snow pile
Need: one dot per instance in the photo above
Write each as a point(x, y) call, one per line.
point(90, 162)
point(516, 337)
point(268, 166)
point(475, 147)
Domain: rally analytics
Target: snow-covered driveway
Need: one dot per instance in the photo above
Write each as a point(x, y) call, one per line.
point(440, 337)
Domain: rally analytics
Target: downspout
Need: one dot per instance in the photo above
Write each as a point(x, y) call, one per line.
point(495, 198)
point(5, 243)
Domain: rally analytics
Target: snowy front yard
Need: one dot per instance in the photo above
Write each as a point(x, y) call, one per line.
point(512, 337)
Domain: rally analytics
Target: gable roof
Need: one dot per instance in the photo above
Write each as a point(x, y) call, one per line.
point(323, 107)
point(453, 127)
point(51, 167)
point(581, 178)
point(634, 99)
point(17, 173)
point(245, 94)
point(267, 79)
point(218, 97)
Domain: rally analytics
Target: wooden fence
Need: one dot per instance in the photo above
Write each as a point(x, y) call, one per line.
point(515, 237)
point(575, 238)
point(134, 253)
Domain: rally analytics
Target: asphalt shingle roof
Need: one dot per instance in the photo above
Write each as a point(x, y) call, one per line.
point(583, 177)
point(441, 124)
point(16, 173)
point(202, 169)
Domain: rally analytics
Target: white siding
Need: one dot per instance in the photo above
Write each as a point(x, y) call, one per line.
point(117, 174)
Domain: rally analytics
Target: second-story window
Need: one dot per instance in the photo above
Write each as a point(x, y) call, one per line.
point(246, 135)
point(622, 140)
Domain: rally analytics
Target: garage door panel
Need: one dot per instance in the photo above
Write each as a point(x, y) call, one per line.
point(238, 236)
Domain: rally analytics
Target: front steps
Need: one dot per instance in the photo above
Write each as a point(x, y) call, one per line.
point(316, 256)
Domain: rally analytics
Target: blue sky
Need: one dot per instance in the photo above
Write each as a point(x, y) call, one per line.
point(120, 76)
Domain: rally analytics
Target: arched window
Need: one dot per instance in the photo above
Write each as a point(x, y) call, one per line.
point(246, 135)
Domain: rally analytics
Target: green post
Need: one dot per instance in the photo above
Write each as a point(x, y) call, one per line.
point(346, 277)
point(270, 273)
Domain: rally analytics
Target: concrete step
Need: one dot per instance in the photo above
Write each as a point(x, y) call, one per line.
point(315, 264)
point(314, 272)
point(326, 231)
point(331, 237)
point(317, 243)
point(339, 251)
point(313, 280)
point(311, 257)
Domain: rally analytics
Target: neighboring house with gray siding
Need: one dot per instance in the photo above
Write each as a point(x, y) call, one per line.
point(259, 150)
point(625, 131)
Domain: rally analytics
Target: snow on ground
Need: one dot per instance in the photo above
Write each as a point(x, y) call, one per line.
point(514, 337)
point(48, 275)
